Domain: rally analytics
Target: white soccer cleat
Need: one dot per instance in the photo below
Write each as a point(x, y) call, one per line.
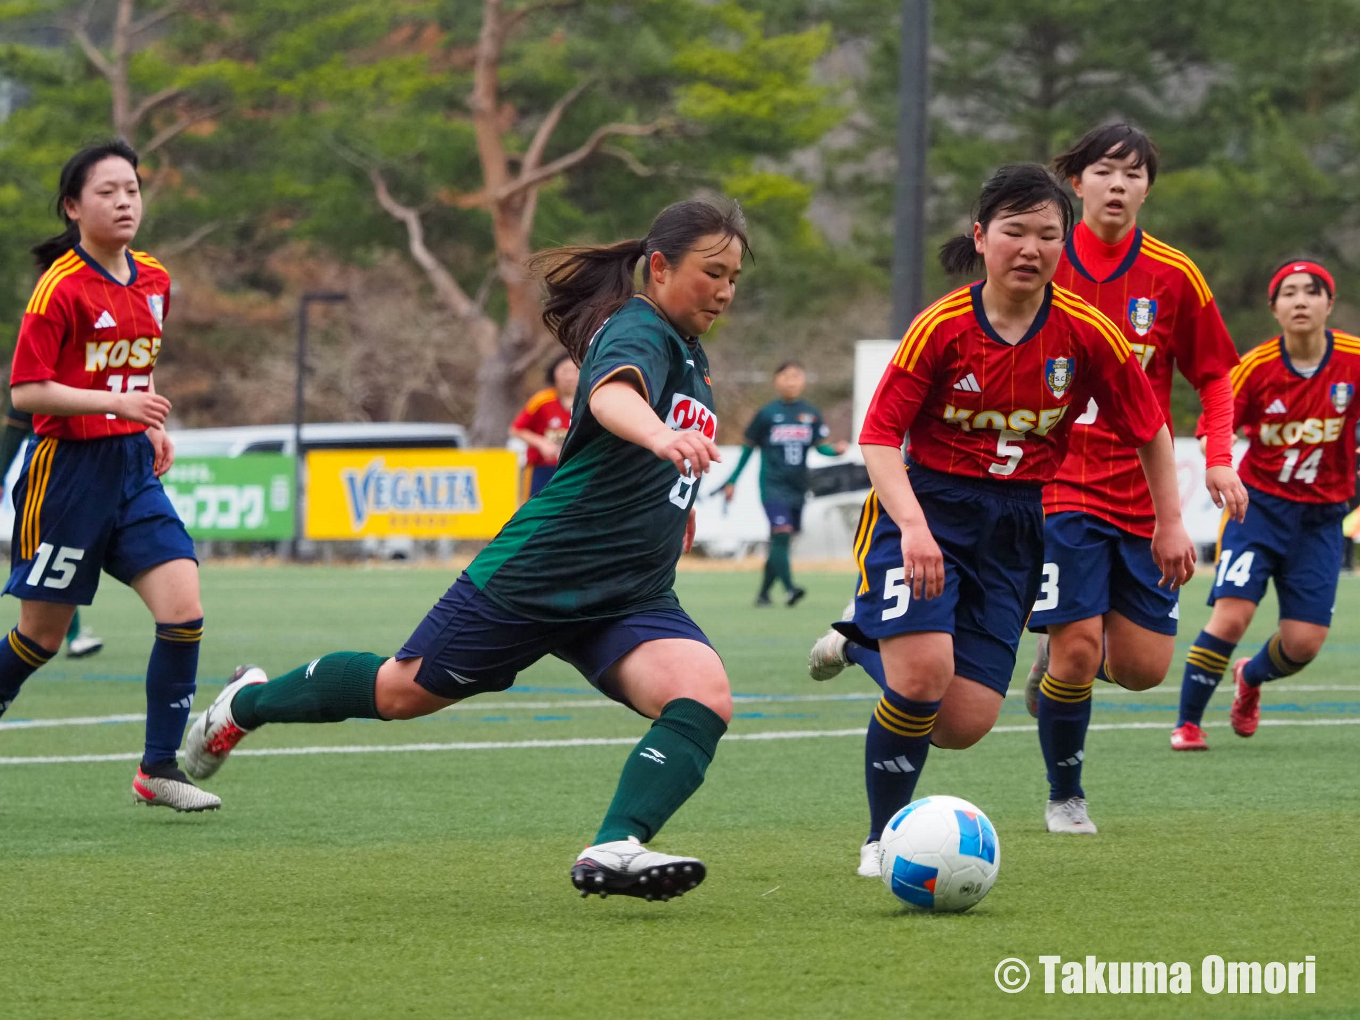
point(83, 644)
point(628, 868)
point(1069, 816)
point(1036, 676)
point(870, 860)
point(166, 786)
point(827, 658)
point(215, 732)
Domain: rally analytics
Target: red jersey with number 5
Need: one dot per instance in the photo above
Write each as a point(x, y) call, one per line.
point(976, 405)
point(1301, 429)
point(1166, 312)
point(83, 328)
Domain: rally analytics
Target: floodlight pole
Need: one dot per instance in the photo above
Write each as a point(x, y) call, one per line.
point(299, 401)
point(909, 199)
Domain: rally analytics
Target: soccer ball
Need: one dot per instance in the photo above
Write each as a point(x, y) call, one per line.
point(940, 853)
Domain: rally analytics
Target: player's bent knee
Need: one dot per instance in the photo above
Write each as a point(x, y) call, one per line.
point(713, 692)
point(398, 696)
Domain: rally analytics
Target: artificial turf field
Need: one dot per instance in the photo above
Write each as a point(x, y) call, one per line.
point(432, 881)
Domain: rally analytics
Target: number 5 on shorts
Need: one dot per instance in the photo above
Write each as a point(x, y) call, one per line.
point(896, 589)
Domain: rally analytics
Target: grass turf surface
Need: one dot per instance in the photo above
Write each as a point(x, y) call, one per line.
point(385, 883)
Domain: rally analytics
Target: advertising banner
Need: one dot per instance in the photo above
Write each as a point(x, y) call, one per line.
point(242, 499)
point(443, 493)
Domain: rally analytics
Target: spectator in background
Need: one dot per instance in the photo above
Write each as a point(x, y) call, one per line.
point(544, 421)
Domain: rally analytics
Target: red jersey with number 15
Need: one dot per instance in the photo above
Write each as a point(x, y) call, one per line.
point(1301, 428)
point(1166, 312)
point(978, 406)
point(83, 328)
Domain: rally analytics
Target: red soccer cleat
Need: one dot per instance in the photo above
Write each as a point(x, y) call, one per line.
point(1188, 737)
point(1246, 707)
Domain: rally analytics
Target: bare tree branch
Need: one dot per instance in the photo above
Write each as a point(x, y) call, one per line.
point(534, 354)
point(187, 242)
point(150, 103)
point(155, 18)
point(628, 159)
point(515, 18)
point(179, 127)
point(577, 156)
point(92, 52)
point(533, 156)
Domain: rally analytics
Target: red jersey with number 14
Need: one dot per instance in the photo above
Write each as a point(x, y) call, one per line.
point(83, 328)
point(1166, 312)
point(1301, 428)
point(978, 406)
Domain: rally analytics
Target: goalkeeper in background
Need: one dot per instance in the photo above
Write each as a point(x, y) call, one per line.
point(18, 426)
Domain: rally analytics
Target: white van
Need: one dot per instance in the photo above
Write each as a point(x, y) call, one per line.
point(391, 435)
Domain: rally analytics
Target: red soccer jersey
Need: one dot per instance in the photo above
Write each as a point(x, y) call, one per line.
point(546, 416)
point(1168, 315)
point(975, 405)
point(1301, 431)
point(83, 328)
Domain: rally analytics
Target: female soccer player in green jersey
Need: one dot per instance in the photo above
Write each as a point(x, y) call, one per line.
point(784, 430)
point(585, 569)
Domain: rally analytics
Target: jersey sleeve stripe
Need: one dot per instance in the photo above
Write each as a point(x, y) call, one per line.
point(46, 298)
point(1254, 359)
point(953, 313)
point(919, 331)
point(632, 369)
point(1100, 321)
point(539, 399)
point(1165, 253)
point(49, 279)
point(146, 260)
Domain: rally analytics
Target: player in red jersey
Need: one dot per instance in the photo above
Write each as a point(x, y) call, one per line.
point(986, 383)
point(543, 423)
point(1294, 396)
point(89, 496)
point(1101, 612)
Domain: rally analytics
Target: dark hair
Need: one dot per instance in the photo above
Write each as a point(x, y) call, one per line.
point(588, 284)
point(1117, 141)
point(1319, 284)
point(551, 373)
point(1019, 188)
point(791, 363)
point(73, 177)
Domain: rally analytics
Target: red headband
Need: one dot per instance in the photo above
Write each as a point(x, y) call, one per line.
point(1300, 267)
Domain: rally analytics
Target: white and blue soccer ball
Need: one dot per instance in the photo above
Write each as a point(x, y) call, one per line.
point(941, 854)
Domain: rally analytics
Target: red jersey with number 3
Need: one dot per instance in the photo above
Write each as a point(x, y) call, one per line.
point(1301, 429)
point(978, 406)
point(83, 328)
point(1166, 312)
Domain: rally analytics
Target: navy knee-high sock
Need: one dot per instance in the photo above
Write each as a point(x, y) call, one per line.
point(1270, 663)
point(19, 657)
point(171, 679)
point(1204, 666)
point(1064, 715)
point(869, 661)
point(895, 751)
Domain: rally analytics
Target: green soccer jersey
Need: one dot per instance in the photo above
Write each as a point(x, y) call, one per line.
point(603, 536)
point(784, 431)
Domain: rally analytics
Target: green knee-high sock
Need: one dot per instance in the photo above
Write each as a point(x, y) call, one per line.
point(73, 631)
point(663, 771)
point(332, 688)
point(779, 559)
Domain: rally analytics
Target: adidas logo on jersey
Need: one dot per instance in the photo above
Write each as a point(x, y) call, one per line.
point(898, 764)
point(1277, 407)
point(968, 384)
point(105, 321)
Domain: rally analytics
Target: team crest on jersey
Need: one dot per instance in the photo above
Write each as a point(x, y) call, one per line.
point(1142, 314)
point(689, 414)
point(1058, 376)
point(1342, 395)
point(156, 302)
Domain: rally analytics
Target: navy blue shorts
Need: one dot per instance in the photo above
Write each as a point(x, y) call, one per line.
point(86, 505)
point(1297, 545)
point(1091, 567)
point(539, 476)
point(785, 515)
point(992, 537)
point(472, 645)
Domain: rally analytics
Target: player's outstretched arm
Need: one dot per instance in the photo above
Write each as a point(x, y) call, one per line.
point(51, 397)
point(622, 410)
point(1172, 550)
point(921, 556)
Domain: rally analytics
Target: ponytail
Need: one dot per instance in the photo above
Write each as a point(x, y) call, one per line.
point(73, 177)
point(959, 255)
point(586, 285)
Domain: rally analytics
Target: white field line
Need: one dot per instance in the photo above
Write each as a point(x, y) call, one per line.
point(589, 701)
point(502, 745)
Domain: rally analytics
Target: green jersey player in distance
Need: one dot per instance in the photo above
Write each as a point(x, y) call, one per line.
point(584, 570)
point(783, 430)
